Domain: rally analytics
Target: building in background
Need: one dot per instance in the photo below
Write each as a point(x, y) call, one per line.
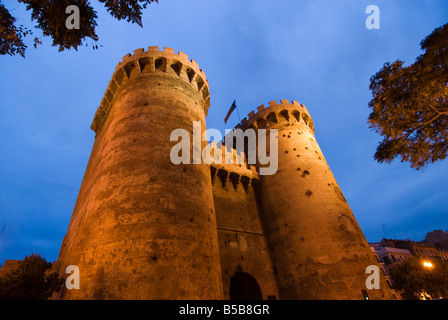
point(391, 256)
point(374, 247)
point(437, 238)
point(391, 252)
point(9, 265)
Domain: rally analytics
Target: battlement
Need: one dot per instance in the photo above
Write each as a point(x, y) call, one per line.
point(235, 175)
point(153, 61)
point(275, 113)
point(236, 170)
point(237, 159)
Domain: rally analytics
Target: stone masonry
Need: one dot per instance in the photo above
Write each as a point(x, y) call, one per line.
point(145, 228)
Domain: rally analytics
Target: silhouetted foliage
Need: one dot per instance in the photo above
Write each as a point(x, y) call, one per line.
point(410, 105)
point(51, 18)
point(30, 280)
point(415, 280)
point(131, 10)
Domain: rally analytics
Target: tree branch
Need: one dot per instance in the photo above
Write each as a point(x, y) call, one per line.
point(431, 106)
point(438, 115)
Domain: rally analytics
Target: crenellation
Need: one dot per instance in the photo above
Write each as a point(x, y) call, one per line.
point(113, 85)
point(169, 50)
point(154, 60)
point(109, 96)
point(147, 65)
point(132, 69)
point(195, 64)
point(164, 53)
point(160, 64)
point(138, 51)
point(230, 169)
point(269, 117)
point(238, 161)
point(183, 56)
point(120, 76)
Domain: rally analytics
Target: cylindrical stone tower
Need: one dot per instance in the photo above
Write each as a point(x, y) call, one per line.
point(142, 227)
point(317, 248)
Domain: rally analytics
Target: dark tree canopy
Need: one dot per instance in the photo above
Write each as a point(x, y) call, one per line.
point(415, 280)
point(410, 105)
point(51, 17)
point(30, 280)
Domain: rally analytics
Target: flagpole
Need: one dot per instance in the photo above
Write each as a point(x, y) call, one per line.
point(237, 111)
point(233, 107)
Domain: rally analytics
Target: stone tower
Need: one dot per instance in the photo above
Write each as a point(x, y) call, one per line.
point(143, 228)
point(317, 248)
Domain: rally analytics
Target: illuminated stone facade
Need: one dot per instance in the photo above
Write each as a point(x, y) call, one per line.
point(145, 228)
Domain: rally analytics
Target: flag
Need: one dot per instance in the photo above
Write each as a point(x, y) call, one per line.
point(233, 107)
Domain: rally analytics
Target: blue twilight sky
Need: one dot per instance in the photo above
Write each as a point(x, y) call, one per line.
point(317, 52)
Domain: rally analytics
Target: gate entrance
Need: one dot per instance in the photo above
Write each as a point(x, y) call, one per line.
point(244, 287)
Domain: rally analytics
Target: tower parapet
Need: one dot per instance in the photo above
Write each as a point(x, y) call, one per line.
point(271, 116)
point(237, 170)
point(152, 61)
